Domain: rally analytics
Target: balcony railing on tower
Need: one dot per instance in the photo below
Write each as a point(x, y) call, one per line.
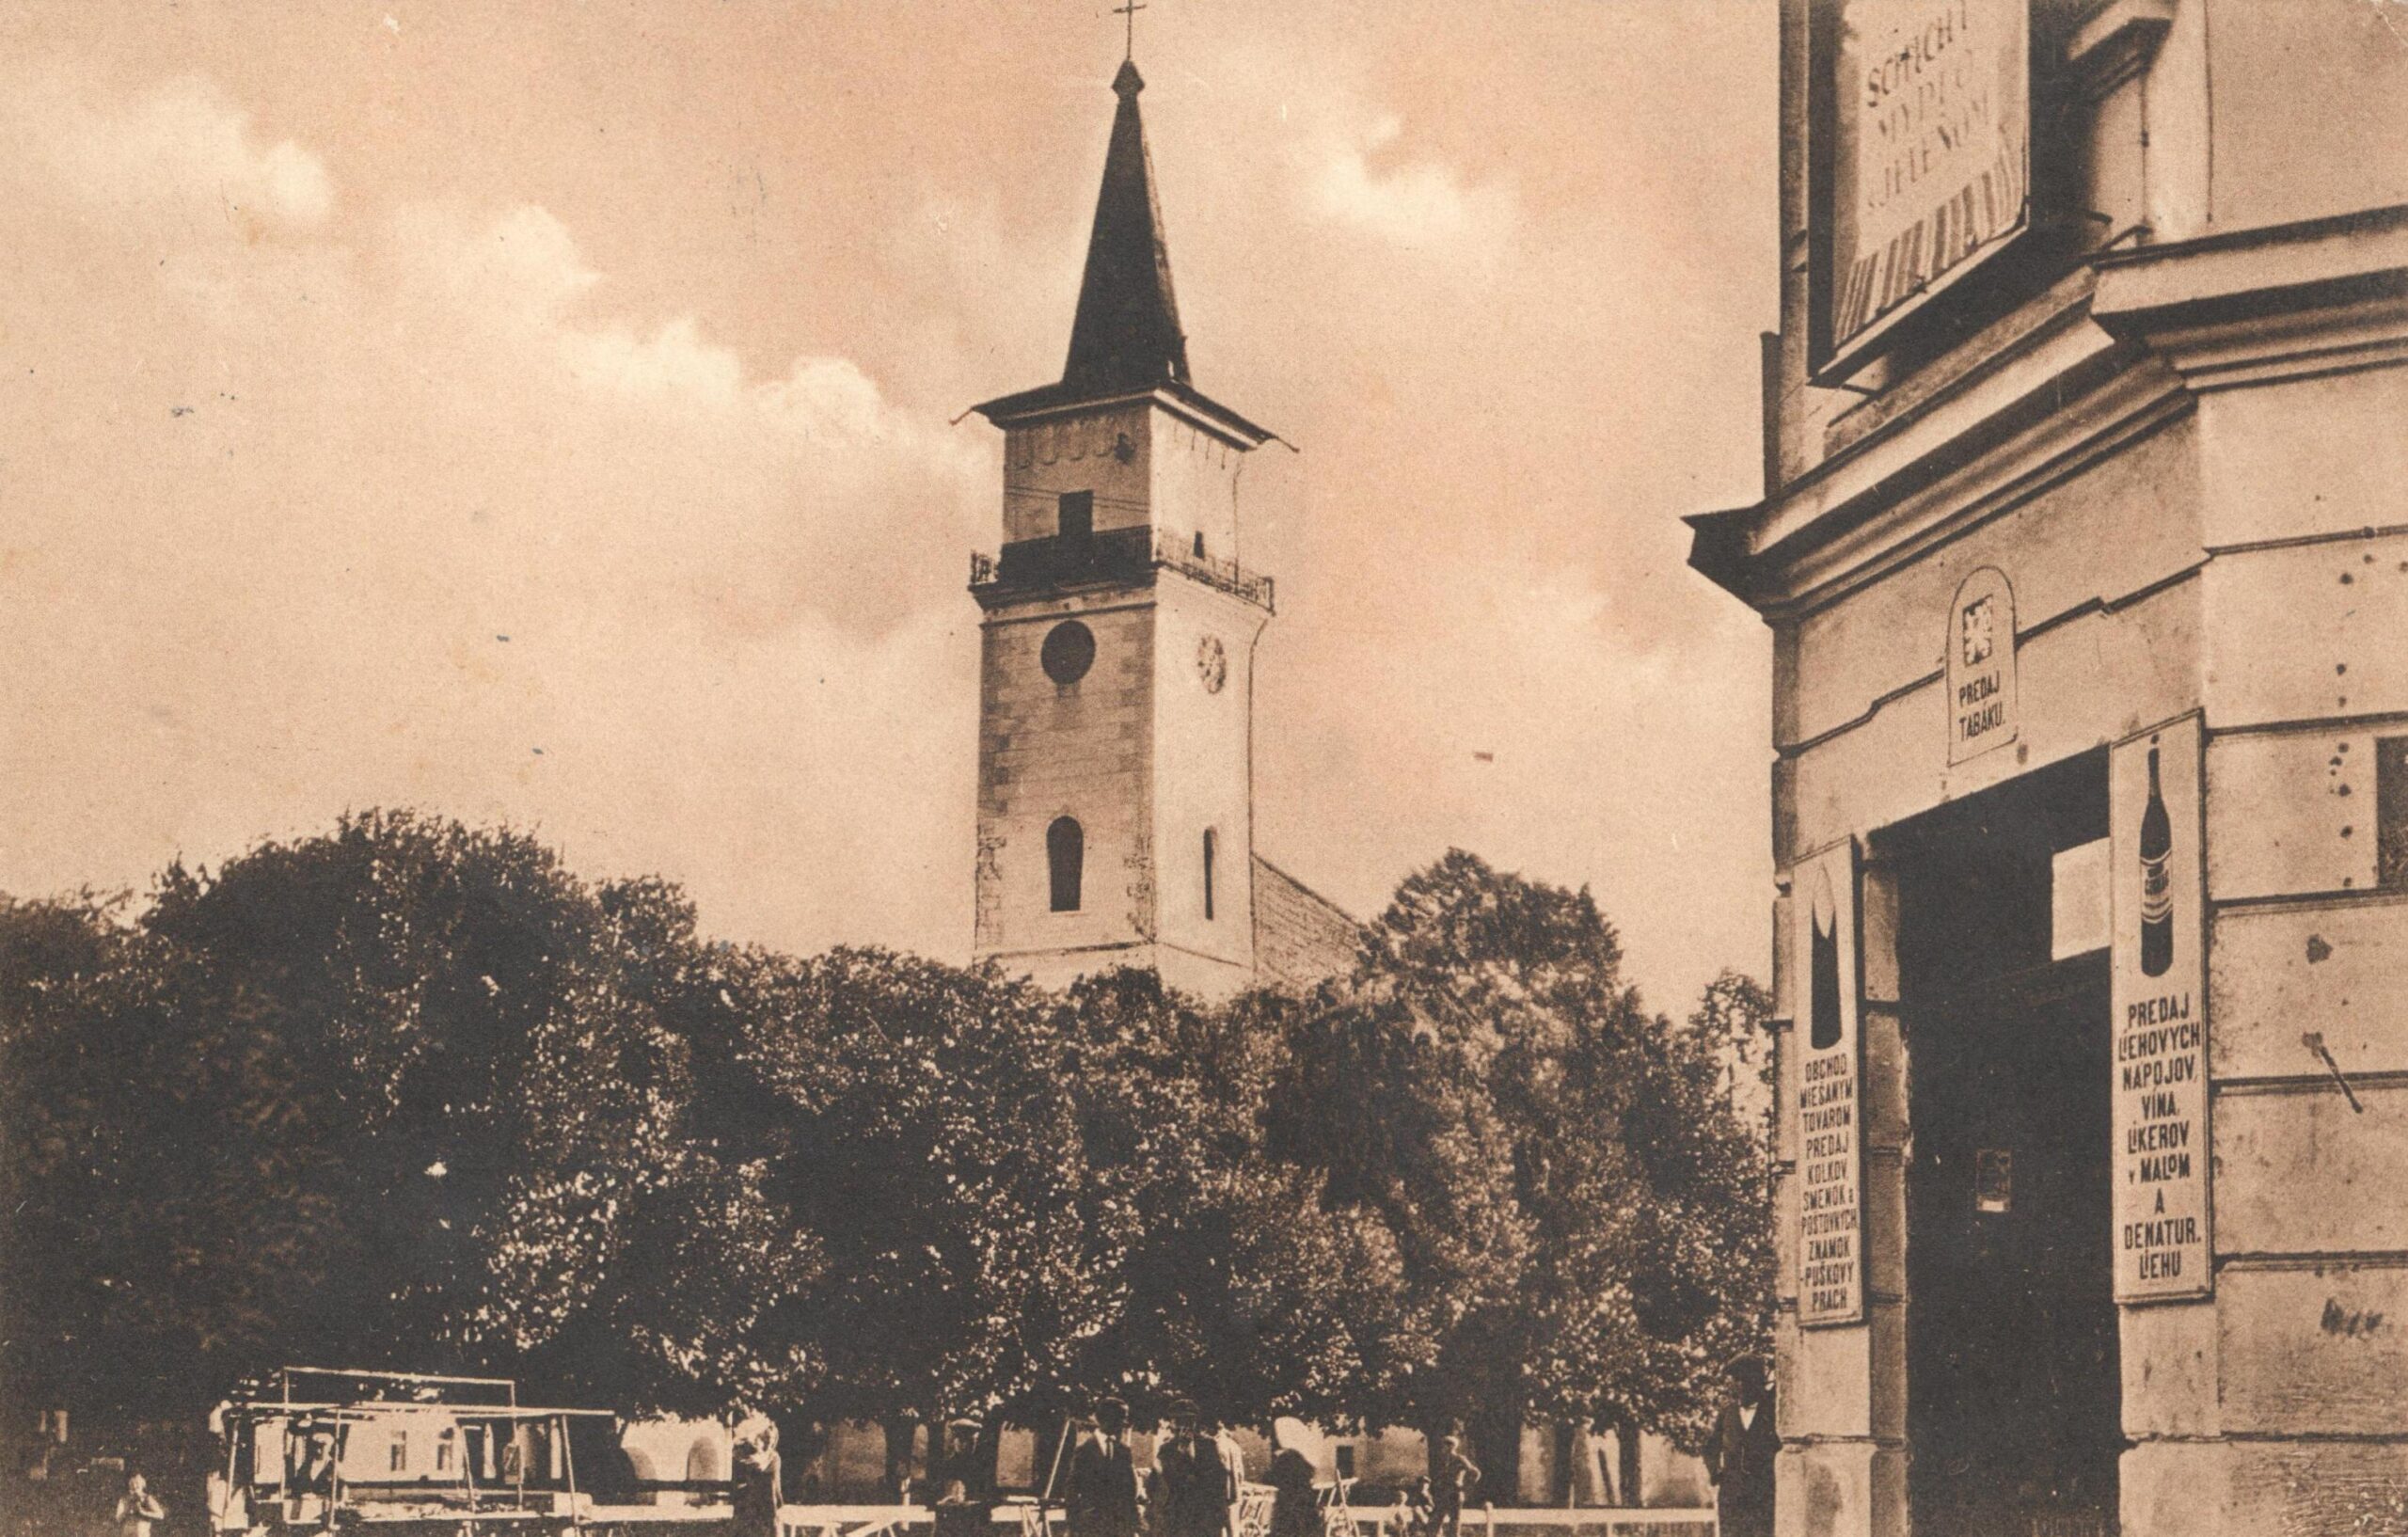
point(1109, 555)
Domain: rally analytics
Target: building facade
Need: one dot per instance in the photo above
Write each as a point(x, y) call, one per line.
point(1116, 770)
point(2085, 549)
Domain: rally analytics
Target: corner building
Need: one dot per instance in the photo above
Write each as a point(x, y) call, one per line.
point(1115, 774)
point(2084, 549)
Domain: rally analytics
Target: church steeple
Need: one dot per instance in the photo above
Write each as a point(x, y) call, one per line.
point(1126, 335)
point(1125, 338)
point(1115, 803)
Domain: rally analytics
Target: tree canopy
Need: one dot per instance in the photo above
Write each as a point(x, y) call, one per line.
point(412, 1095)
point(1580, 1214)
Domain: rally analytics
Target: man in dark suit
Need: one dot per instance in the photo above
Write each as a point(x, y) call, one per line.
point(1193, 1490)
point(1453, 1480)
point(1739, 1455)
point(1100, 1492)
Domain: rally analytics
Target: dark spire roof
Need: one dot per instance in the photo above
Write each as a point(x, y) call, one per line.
point(1126, 338)
point(1127, 335)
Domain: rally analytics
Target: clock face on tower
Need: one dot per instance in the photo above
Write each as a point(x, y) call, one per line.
point(1212, 663)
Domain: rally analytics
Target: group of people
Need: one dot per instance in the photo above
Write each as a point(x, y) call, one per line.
point(1191, 1492)
point(1195, 1486)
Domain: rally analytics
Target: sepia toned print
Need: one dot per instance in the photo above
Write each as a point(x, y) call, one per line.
point(1666, 792)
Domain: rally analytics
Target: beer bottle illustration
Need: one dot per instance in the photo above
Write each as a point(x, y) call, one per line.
point(1823, 971)
point(2157, 881)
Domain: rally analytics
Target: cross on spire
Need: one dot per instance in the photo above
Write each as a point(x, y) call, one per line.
point(1129, 10)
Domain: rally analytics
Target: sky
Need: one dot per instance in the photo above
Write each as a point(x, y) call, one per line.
point(545, 415)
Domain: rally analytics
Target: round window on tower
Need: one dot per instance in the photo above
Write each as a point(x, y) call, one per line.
point(1068, 652)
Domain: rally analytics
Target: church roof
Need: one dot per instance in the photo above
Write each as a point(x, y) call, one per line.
point(1125, 338)
point(1126, 335)
point(1300, 936)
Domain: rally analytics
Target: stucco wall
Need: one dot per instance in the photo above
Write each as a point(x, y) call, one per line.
point(2309, 101)
point(1078, 451)
point(1203, 777)
point(1082, 749)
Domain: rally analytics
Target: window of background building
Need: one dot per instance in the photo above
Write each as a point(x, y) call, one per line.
point(397, 1456)
point(1065, 854)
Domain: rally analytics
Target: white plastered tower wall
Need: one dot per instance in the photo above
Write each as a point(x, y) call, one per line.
point(1203, 783)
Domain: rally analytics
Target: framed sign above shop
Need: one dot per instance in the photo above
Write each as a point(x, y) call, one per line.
point(1920, 164)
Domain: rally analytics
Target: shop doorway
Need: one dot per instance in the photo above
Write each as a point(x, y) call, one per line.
point(2014, 1398)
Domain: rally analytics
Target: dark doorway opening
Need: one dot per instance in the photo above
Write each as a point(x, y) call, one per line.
point(2013, 1394)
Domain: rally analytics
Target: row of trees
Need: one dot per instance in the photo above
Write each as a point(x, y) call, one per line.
point(412, 1095)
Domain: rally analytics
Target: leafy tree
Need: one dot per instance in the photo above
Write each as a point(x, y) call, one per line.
point(375, 1098)
point(412, 1095)
point(1241, 1288)
point(73, 1027)
point(692, 1317)
point(931, 1141)
point(1735, 1012)
point(1580, 1219)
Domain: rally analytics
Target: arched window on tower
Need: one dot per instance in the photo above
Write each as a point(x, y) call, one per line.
point(1212, 848)
point(1066, 852)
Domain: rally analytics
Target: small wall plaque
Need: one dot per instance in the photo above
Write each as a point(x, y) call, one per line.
point(1982, 706)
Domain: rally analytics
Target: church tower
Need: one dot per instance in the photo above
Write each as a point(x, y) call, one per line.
point(1115, 815)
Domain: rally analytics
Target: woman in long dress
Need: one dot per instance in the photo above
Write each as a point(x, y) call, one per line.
point(1295, 1505)
point(759, 1480)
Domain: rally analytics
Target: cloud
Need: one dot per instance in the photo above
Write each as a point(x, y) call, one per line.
point(395, 508)
point(177, 149)
point(1361, 179)
point(666, 406)
point(521, 264)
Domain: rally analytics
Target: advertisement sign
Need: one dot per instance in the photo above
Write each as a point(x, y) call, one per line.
point(1831, 1125)
point(1925, 107)
point(1982, 711)
point(2161, 1058)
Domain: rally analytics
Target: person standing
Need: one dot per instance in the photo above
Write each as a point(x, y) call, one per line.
point(138, 1508)
point(1295, 1497)
point(1233, 1457)
point(1100, 1493)
point(1192, 1488)
point(760, 1481)
point(1740, 1454)
point(1453, 1478)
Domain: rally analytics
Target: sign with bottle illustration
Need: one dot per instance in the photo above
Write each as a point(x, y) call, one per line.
point(1981, 665)
point(2161, 1056)
point(1831, 1124)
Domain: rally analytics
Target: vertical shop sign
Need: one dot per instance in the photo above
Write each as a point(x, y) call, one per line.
point(2161, 1058)
point(1830, 1121)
